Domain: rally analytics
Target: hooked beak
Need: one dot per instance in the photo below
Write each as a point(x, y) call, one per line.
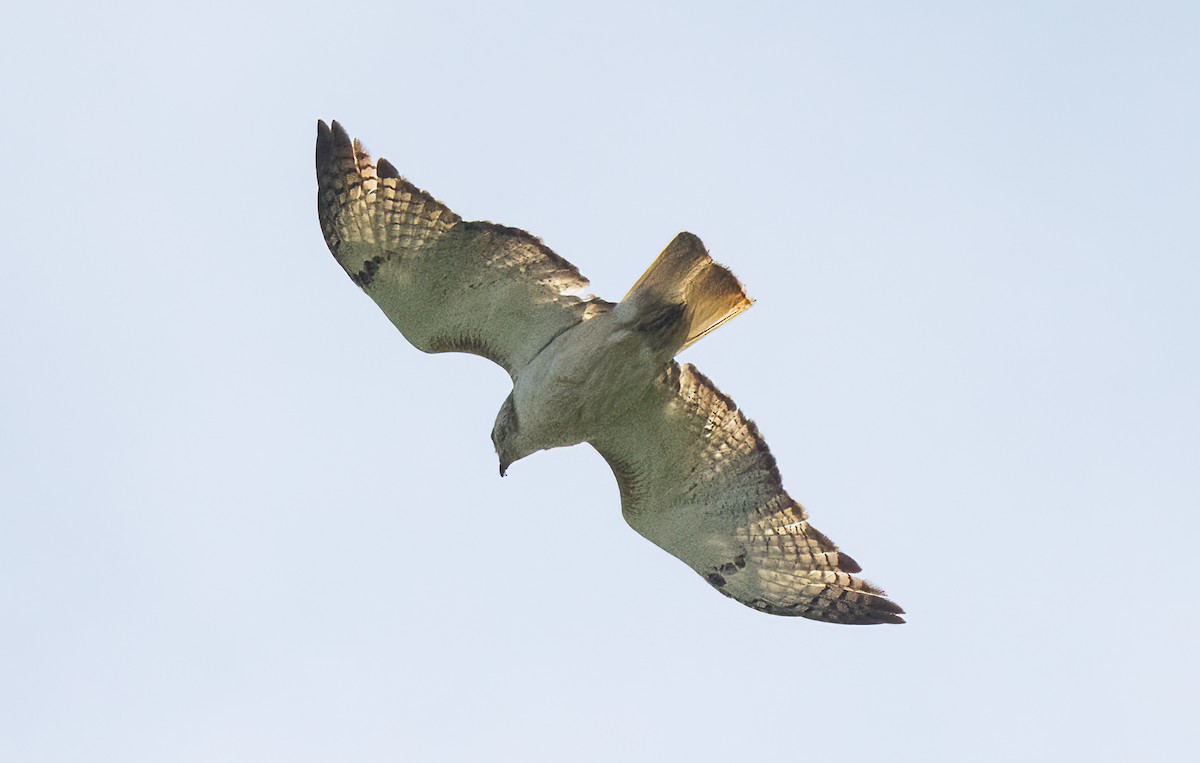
point(504, 468)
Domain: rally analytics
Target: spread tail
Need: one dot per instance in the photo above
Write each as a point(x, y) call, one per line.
point(685, 275)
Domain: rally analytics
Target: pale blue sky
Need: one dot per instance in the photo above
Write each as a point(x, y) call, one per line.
point(241, 519)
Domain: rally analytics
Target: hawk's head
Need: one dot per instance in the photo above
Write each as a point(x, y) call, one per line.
point(507, 436)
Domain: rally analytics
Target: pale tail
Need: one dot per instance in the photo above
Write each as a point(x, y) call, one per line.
point(684, 274)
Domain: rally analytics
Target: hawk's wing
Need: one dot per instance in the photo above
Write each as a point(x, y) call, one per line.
point(697, 480)
point(447, 284)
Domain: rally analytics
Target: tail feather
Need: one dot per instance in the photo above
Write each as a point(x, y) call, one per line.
point(685, 274)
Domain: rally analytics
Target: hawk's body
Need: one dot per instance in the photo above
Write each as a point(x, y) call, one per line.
point(694, 475)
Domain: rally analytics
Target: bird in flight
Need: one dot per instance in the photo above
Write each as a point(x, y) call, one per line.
point(695, 477)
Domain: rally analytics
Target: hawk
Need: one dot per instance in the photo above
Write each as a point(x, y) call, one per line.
point(695, 477)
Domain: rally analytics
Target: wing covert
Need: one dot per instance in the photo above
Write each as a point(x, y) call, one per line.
point(448, 285)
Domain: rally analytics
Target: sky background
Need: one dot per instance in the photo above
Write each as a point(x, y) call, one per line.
point(241, 519)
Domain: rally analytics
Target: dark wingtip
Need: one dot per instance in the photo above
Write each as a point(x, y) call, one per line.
point(846, 563)
point(892, 607)
point(878, 616)
point(331, 141)
point(324, 138)
point(386, 169)
point(888, 611)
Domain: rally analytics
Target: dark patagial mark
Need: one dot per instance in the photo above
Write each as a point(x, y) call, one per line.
point(715, 580)
point(738, 563)
point(630, 482)
point(370, 267)
point(473, 344)
point(718, 576)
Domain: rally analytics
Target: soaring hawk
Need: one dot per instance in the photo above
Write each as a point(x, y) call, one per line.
point(695, 477)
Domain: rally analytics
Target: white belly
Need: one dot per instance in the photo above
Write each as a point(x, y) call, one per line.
point(589, 379)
